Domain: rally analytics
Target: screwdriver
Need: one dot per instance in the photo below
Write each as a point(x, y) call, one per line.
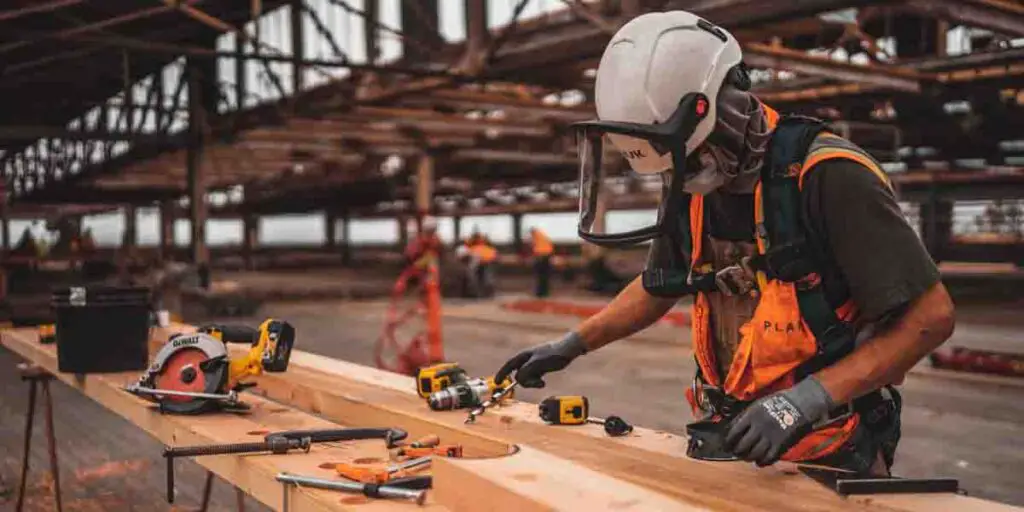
point(495, 398)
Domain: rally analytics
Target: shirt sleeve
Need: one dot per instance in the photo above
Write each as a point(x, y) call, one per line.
point(877, 252)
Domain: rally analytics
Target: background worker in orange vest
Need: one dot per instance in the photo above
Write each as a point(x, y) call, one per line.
point(485, 256)
point(813, 295)
point(543, 250)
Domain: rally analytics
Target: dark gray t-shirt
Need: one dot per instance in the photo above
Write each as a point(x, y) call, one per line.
point(874, 256)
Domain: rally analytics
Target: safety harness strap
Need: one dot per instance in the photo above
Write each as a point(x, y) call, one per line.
point(788, 254)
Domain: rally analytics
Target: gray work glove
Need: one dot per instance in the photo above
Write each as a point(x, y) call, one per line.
point(770, 426)
point(531, 364)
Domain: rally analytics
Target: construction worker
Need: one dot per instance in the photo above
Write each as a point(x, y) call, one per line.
point(484, 255)
point(542, 251)
point(812, 293)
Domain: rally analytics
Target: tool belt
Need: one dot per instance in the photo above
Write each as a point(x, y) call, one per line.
point(878, 432)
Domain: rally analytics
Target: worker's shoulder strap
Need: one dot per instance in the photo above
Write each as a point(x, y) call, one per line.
point(790, 254)
point(828, 146)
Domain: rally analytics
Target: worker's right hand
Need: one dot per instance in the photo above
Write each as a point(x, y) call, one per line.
point(531, 364)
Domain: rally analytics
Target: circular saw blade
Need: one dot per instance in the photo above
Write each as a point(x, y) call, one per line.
point(183, 371)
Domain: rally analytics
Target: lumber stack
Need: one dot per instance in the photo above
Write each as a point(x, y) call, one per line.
point(514, 462)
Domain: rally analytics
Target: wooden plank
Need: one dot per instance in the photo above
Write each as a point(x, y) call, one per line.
point(496, 474)
point(651, 459)
point(253, 474)
point(534, 480)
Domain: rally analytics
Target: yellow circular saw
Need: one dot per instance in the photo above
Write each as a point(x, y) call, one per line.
point(194, 373)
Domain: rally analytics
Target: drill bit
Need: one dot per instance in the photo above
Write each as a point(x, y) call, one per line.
point(495, 398)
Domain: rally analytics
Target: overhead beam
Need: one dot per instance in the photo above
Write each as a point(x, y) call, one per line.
point(36, 132)
point(517, 157)
point(891, 77)
point(37, 8)
point(93, 27)
point(999, 16)
point(735, 14)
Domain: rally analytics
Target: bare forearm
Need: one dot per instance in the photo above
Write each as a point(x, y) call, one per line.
point(887, 357)
point(631, 311)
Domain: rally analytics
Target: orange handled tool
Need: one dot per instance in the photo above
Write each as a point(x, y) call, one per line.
point(376, 475)
point(447, 450)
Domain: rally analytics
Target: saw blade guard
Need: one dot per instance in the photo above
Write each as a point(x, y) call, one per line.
point(193, 363)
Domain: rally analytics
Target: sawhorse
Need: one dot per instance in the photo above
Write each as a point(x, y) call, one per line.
point(36, 377)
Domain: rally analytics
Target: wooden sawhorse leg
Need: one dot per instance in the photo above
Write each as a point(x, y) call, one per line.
point(37, 376)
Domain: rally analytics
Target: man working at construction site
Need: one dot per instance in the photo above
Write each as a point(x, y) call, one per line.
point(812, 294)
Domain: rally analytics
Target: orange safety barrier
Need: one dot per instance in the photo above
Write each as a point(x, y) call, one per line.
point(677, 318)
point(416, 296)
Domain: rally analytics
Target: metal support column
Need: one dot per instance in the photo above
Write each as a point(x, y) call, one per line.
point(372, 10)
point(457, 228)
point(403, 232)
point(330, 224)
point(346, 239)
point(517, 232)
point(166, 230)
point(250, 239)
point(241, 81)
point(130, 235)
point(196, 175)
point(298, 46)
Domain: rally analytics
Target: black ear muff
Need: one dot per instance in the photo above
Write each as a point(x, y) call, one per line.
point(739, 77)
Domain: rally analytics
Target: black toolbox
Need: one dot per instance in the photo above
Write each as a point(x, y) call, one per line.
point(102, 329)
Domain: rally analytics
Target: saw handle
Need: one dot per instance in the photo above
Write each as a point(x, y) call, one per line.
point(233, 333)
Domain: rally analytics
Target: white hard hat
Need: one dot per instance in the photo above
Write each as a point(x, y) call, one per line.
point(651, 63)
point(429, 223)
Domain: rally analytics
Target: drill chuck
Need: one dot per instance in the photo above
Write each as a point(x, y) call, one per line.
point(460, 396)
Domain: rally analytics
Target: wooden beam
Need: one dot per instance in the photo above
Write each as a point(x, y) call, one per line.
point(39, 7)
point(254, 475)
point(653, 460)
point(424, 184)
point(999, 16)
point(477, 35)
point(508, 156)
point(891, 77)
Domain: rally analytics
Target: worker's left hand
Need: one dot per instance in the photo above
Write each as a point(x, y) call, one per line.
point(770, 426)
point(531, 364)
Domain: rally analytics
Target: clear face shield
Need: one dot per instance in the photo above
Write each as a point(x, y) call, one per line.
point(608, 150)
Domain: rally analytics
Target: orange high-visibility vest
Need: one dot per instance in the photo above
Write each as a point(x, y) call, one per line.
point(777, 340)
point(542, 245)
point(484, 252)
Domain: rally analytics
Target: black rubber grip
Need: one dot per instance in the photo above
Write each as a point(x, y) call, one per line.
point(415, 483)
point(391, 435)
point(236, 333)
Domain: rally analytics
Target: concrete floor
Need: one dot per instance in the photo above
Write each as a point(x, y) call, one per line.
point(952, 427)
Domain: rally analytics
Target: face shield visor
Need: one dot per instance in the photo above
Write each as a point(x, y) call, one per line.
point(653, 150)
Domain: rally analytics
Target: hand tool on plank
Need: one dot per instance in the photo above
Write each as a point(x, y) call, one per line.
point(371, 475)
point(411, 489)
point(446, 450)
point(192, 374)
point(496, 397)
point(575, 410)
point(844, 483)
point(427, 442)
point(279, 443)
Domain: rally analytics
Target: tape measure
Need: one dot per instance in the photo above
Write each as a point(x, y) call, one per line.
point(575, 410)
point(565, 410)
